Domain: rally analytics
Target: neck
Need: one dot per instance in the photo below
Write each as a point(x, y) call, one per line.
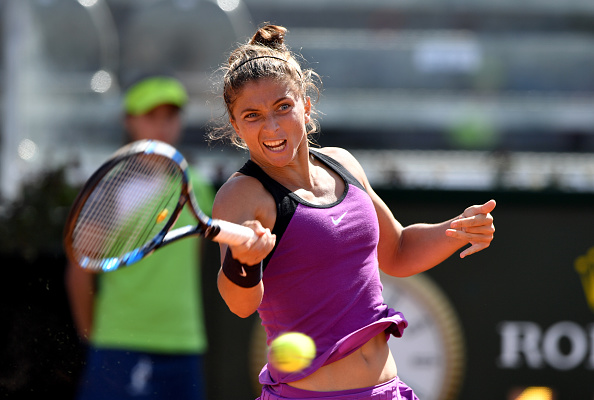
point(297, 174)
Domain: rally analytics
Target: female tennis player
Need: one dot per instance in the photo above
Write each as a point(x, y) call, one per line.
point(322, 232)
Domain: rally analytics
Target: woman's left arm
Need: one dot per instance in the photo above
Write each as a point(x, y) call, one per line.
point(405, 251)
point(420, 247)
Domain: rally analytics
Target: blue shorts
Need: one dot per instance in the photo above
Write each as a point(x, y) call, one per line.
point(394, 389)
point(120, 374)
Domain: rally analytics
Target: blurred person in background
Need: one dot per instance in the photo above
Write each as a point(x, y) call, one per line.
point(144, 324)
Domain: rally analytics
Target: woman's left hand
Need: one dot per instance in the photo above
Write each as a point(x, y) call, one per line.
point(475, 226)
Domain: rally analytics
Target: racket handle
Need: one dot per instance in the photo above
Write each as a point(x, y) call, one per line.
point(231, 233)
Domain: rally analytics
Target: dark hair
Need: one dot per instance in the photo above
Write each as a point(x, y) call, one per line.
point(265, 55)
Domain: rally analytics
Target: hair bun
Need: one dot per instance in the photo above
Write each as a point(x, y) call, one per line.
point(272, 36)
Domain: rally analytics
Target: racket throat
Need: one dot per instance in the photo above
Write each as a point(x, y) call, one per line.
point(211, 232)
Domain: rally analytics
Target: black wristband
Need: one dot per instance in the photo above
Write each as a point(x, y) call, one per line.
point(246, 276)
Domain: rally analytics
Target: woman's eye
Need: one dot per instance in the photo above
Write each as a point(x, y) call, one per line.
point(284, 107)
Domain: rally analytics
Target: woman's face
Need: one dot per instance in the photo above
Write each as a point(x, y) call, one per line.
point(270, 116)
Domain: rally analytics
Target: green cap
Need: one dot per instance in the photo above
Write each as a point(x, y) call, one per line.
point(152, 92)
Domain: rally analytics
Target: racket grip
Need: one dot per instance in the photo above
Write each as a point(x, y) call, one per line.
point(231, 233)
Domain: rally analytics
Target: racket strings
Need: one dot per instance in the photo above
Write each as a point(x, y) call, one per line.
point(123, 211)
point(141, 192)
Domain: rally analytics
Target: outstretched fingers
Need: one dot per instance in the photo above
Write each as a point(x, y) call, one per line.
point(474, 226)
point(475, 248)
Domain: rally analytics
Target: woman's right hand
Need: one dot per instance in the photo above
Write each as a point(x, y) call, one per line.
point(256, 249)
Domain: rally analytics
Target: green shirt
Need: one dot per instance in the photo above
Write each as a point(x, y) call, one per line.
point(156, 304)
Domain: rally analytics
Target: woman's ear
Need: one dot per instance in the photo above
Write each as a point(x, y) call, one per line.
point(307, 108)
point(234, 125)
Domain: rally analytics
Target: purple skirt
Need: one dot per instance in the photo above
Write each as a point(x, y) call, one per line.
point(394, 389)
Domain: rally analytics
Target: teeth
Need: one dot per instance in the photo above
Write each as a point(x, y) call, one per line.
point(274, 144)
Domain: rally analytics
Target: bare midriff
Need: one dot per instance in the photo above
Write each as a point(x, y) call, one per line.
point(370, 365)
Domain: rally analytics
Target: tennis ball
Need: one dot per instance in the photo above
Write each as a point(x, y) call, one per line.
point(292, 352)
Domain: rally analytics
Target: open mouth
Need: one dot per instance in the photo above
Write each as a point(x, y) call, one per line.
point(275, 145)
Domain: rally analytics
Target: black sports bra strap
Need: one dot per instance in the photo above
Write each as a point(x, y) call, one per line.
point(338, 168)
point(277, 190)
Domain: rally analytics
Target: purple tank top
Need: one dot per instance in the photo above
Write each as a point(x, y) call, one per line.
point(322, 278)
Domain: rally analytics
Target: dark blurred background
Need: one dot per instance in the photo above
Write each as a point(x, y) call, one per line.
point(446, 103)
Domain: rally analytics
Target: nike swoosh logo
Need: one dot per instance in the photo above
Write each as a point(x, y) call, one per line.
point(337, 220)
point(243, 273)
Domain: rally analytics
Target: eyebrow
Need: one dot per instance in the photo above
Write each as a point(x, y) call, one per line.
point(280, 100)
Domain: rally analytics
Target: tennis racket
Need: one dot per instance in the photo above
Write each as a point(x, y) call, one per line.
point(128, 207)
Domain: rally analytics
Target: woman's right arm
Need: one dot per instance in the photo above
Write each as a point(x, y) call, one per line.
point(243, 200)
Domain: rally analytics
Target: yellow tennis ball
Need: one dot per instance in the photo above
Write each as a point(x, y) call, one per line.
point(292, 352)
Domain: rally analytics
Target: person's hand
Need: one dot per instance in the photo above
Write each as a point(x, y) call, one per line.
point(254, 250)
point(475, 226)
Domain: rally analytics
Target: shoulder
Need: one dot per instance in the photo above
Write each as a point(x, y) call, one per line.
point(341, 155)
point(347, 160)
point(239, 183)
point(335, 152)
point(243, 198)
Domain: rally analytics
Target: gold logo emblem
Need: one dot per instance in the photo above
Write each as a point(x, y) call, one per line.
point(584, 265)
